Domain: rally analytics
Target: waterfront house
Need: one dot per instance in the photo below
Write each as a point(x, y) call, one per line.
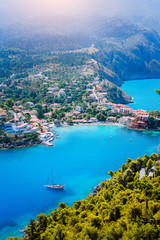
point(142, 124)
point(122, 121)
point(77, 121)
point(138, 124)
point(143, 116)
point(126, 120)
point(112, 119)
point(94, 120)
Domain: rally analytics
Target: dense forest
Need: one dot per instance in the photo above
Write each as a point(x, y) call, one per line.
point(127, 208)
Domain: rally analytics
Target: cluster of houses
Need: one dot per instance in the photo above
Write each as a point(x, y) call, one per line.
point(17, 125)
point(134, 119)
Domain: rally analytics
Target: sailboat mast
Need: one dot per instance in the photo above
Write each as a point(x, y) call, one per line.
point(52, 176)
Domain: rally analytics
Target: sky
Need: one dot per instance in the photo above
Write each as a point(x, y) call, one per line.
point(18, 10)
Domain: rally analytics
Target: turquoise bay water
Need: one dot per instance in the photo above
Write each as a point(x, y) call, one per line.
point(82, 158)
point(144, 94)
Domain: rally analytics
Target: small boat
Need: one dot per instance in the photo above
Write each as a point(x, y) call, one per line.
point(55, 186)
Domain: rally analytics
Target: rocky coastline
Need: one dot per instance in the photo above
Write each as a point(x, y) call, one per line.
point(11, 145)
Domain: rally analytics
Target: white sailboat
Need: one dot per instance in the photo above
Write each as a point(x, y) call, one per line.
point(55, 186)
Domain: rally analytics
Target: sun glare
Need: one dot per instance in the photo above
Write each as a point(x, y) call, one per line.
point(60, 6)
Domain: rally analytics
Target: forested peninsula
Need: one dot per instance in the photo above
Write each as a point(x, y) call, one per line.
point(127, 207)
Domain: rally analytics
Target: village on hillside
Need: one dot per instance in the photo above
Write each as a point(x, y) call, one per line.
point(44, 101)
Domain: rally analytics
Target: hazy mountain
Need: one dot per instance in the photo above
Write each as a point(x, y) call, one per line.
point(145, 12)
point(123, 31)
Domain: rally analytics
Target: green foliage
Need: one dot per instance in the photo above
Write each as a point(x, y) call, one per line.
point(27, 117)
point(57, 114)
point(126, 208)
point(9, 103)
point(101, 117)
point(40, 114)
point(20, 139)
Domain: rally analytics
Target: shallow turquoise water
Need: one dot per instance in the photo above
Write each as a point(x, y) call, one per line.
point(143, 93)
point(82, 158)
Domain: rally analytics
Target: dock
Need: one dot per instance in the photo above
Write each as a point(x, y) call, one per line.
point(48, 144)
point(47, 140)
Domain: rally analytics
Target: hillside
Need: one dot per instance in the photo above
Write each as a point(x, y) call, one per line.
point(129, 51)
point(125, 50)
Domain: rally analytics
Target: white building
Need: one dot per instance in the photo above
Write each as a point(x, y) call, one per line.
point(94, 120)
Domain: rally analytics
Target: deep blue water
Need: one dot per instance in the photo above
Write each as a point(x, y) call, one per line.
point(143, 93)
point(82, 158)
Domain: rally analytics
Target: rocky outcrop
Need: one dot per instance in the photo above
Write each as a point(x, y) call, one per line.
point(97, 190)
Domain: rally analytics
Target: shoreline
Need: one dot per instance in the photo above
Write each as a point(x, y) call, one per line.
point(92, 124)
point(30, 144)
point(3, 148)
point(13, 146)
